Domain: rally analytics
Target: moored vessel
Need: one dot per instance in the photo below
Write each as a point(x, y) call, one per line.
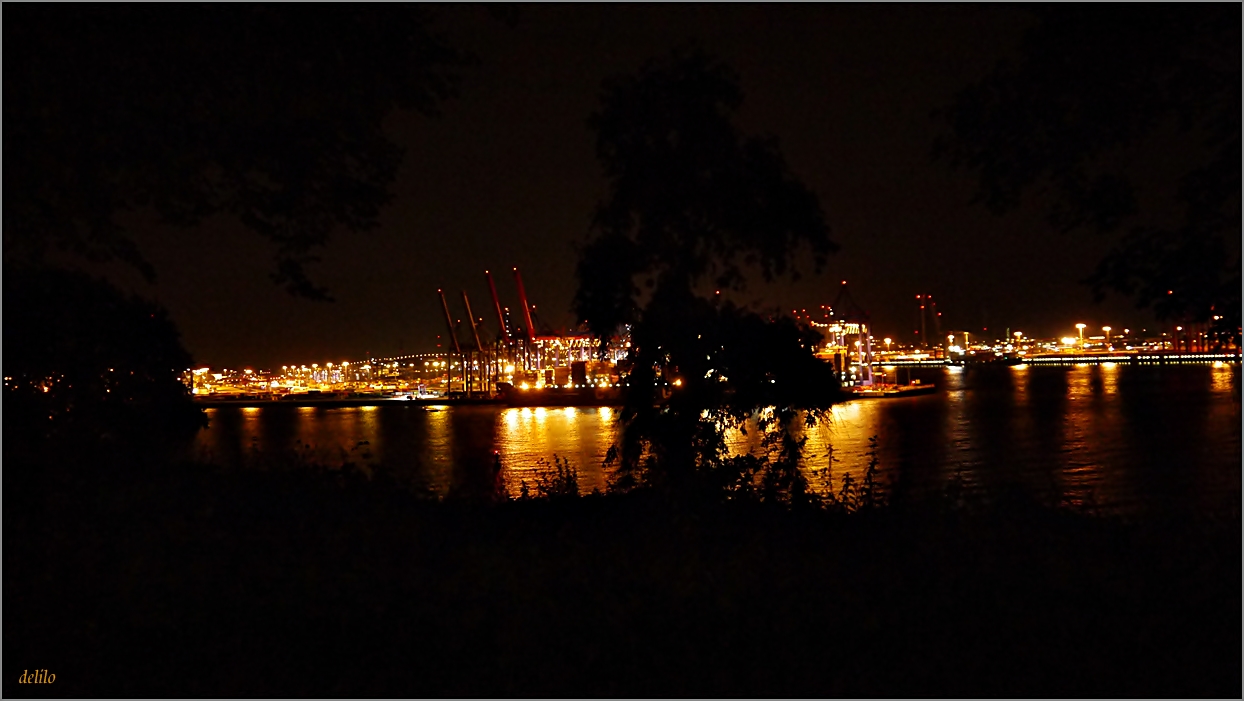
point(881, 391)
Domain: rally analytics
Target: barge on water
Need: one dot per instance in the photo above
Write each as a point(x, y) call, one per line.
point(880, 391)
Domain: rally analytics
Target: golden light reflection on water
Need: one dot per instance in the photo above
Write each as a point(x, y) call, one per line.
point(527, 441)
point(440, 447)
point(837, 445)
point(332, 436)
point(1090, 430)
point(1224, 377)
point(1080, 381)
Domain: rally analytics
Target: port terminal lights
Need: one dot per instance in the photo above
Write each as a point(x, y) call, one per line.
point(848, 345)
point(955, 353)
point(847, 320)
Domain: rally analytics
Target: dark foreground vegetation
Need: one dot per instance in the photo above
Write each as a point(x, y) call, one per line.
point(195, 581)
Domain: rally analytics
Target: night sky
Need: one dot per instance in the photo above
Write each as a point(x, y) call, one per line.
point(507, 176)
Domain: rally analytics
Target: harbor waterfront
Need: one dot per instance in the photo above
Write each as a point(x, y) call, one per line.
point(1125, 438)
point(247, 388)
point(520, 367)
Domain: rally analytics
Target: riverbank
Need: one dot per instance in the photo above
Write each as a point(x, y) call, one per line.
point(190, 581)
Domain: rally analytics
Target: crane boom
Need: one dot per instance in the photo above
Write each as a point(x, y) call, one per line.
point(449, 323)
point(505, 333)
point(474, 329)
point(522, 299)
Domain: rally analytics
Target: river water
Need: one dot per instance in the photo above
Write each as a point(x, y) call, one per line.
point(1125, 438)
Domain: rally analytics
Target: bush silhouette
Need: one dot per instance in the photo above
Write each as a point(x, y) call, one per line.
point(87, 366)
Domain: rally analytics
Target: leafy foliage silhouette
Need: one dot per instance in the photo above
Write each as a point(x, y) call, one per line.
point(1091, 113)
point(693, 202)
point(271, 116)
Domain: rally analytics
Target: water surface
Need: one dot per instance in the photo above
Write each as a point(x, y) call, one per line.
point(1126, 438)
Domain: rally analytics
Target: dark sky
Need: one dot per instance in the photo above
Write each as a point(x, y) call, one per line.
point(507, 176)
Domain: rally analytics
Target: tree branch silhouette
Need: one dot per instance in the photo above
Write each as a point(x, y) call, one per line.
point(1091, 83)
point(271, 116)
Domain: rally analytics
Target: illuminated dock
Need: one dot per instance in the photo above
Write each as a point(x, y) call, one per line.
point(1130, 358)
point(1065, 359)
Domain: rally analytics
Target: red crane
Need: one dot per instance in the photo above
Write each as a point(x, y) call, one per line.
point(522, 299)
point(505, 333)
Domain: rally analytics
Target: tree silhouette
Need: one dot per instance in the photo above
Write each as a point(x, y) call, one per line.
point(270, 115)
point(87, 367)
point(692, 202)
point(1091, 113)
